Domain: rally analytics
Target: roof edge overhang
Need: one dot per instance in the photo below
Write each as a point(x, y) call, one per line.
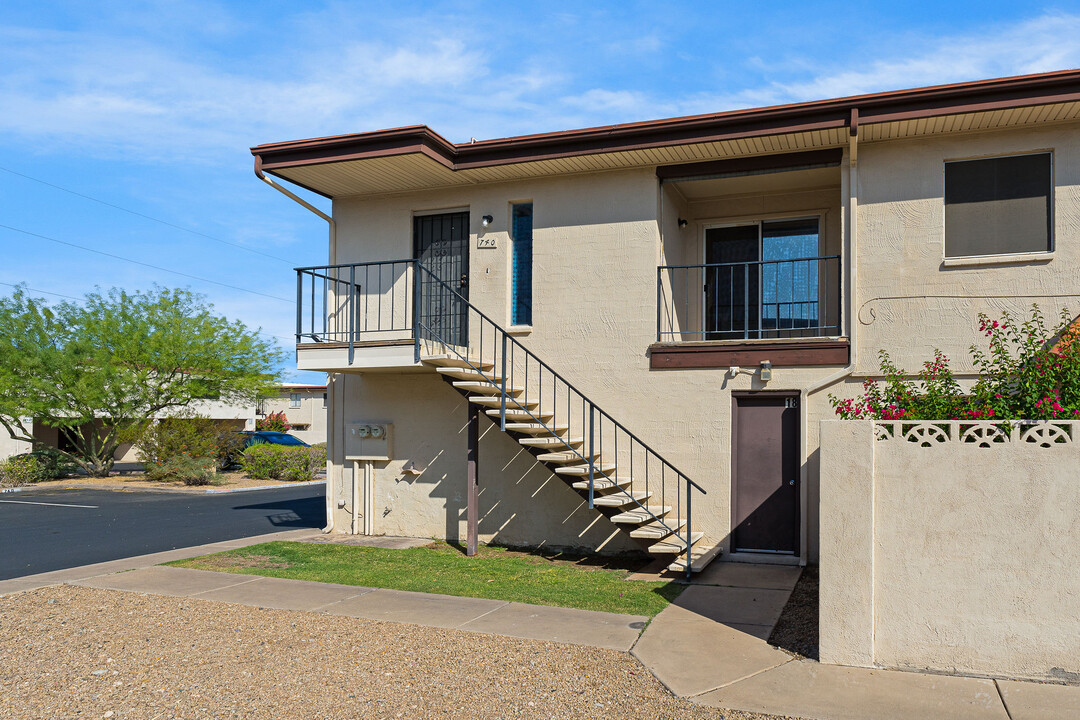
point(852, 111)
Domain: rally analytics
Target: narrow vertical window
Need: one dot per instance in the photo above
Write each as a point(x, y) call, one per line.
point(521, 289)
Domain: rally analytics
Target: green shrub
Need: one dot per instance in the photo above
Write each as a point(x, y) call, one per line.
point(21, 470)
point(174, 439)
point(188, 470)
point(52, 464)
point(283, 462)
point(1030, 370)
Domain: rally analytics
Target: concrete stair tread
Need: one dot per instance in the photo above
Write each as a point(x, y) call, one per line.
point(583, 470)
point(469, 374)
point(516, 414)
point(567, 457)
point(674, 545)
point(700, 557)
point(534, 428)
point(551, 441)
point(495, 402)
point(452, 360)
point(602, 483)
point(621, 499)
point(639, 516)
point(657, 530)
point(485, 387)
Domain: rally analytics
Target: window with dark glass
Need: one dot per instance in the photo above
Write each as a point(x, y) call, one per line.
point(998, 206)
point(521, 281)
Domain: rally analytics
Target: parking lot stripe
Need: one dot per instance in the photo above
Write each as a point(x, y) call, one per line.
point(28, 502)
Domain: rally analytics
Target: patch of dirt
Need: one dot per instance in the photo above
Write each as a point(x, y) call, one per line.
point(797, 629)
point(211, 562)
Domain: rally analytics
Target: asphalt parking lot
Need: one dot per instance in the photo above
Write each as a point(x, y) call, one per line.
point(43, 530)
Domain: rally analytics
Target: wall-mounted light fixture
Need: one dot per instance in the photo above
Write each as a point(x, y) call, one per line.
point(766, 371)
point(486, 220)
point(682, 222)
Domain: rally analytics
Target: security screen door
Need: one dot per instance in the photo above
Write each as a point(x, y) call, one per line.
point(442, 247)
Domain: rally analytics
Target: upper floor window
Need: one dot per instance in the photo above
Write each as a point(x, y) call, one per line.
point(294, 400)
point(521, 288)
point(998, 205)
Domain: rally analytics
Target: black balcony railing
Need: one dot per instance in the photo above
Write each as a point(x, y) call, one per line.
point(353, 303)
point(791, 298)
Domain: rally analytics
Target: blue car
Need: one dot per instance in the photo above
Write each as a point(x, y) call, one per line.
point(258, 437)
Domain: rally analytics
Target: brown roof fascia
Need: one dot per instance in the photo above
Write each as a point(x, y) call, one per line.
point(382, 143)
point(827, 157)
point(958, 98)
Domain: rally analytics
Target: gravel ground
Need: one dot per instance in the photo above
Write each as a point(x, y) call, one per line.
point(797, 629)
point(137, 480)
point(70, 652)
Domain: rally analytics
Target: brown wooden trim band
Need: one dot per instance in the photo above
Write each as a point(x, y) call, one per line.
point(722, 355)
point(753, 164)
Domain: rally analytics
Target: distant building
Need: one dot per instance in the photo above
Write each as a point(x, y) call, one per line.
point(304, 406)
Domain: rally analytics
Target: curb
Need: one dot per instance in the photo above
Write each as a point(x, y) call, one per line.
point(176, 490)
point(263, 487)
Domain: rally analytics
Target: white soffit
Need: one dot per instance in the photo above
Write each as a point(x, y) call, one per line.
point(416, 171)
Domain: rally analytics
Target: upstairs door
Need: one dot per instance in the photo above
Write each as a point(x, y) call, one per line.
point(732, 286)
point(441, 243)
point(765, 474)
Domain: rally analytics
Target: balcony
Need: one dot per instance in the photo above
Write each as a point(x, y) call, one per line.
point(723, 314)
point(356, 316)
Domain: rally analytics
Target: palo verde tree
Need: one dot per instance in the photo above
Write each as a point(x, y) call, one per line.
point(99, 370)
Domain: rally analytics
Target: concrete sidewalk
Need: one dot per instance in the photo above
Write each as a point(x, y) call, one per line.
point(709, 645)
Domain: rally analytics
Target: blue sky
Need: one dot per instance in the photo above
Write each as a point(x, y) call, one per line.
point(150, 107)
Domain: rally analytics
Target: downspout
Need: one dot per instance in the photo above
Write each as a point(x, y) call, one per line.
point(850, 316)
point(333, 260)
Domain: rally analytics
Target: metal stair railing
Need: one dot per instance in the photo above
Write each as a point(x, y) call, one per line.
point(489, 344)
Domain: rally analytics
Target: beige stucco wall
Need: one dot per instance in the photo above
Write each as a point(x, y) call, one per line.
point(596, 249)
point(521, 504)
point(952, 557)
point(598, 239)
point(909, 302)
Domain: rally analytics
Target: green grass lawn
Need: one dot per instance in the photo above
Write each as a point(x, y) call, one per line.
point(495, 573)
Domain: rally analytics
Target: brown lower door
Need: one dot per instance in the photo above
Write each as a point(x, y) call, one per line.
point(765, 474)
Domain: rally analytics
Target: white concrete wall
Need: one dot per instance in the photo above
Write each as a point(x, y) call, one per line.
point(950, 557)
point(9, 447)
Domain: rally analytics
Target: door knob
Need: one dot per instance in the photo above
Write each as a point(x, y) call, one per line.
point(791, 482)
point(464, 279)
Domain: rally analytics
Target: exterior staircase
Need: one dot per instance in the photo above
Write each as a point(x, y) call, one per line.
point(620, 476)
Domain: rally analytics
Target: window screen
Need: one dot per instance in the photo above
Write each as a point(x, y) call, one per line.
point(294, 400)
point(521, 296)
point(997, 206)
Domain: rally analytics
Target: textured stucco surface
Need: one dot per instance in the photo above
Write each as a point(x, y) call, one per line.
point(971, 567)
point(595, 253)
point(598, 239)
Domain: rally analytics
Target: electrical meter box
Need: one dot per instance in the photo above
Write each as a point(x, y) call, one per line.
point(369, 440)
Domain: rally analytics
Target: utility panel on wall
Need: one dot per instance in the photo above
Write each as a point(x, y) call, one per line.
point(368, 440)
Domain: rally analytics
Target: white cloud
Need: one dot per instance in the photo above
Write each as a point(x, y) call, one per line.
point(1041, 44)
point(134, 96)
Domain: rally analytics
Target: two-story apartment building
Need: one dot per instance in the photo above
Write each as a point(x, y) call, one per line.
point(625, 336)
point(304, 405)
